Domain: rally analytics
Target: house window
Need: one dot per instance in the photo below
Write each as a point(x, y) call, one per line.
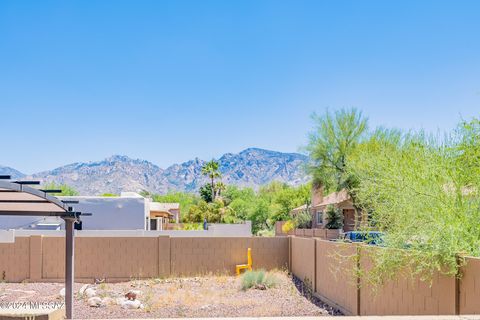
point(319, 217)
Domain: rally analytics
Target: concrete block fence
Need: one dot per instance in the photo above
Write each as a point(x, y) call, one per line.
point(42, 258)
point(325, 265)
point(329, 267)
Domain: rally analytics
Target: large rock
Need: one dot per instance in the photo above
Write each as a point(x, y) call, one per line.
point(94, 302)
point(81, 292)
point(90, 292)
point(131, 304)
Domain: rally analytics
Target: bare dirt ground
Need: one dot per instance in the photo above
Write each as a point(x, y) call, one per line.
point(206, 296)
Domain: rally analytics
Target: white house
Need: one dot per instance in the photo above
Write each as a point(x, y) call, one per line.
point(129, 211)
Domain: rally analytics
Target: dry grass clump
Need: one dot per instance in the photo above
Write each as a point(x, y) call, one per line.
point(258, 279)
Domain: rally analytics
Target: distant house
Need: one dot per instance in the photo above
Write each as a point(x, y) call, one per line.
point(129, 211)
point(319, 203)
point(163, 213)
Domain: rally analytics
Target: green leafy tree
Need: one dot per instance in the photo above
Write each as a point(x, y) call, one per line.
point(66, 189)
point(423, 193)
point(334, 138)
point(205, 192)
point(186, 200)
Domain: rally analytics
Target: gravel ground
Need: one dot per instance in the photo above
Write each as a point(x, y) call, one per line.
point(209, 296)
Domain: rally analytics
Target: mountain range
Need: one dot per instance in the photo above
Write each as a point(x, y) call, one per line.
point(251, 167)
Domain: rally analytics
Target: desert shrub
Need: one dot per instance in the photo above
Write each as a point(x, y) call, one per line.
point(303, 220)
point(271, 280)
point(258, 278)
point(192, 226)
point(266, 233)
point(334, 218)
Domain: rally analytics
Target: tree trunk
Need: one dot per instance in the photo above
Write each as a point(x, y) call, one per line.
point(213, 190)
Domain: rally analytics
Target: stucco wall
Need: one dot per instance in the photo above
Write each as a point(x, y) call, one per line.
point(112, 213)
point(108, 213)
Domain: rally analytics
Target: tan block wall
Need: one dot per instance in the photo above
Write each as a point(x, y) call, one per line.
point(303, 258)
point(320, 233)
point(278, 228)
point(308, 232)
point(118, 258)
point(336, 281)
point(469, 289)
point(195, 256)
point(15, 260)
point(300, 232)
point(406, 296)
point(200, 255)
point(42, 258)
point(270, 253)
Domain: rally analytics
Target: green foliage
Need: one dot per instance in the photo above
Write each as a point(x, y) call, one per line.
point(334, 218)
point(186, 200)
point(256, 278)
point(303, 220)
point(205, 192)
point(423, 193)
point(66, 189)
point(109, 195)
point(266, 233)
point(271, 203)
point(211, 170)
point(335, 136)
point(214, 212)
point(192, 226)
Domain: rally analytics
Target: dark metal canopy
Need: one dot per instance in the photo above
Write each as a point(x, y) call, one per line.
point(18, 199)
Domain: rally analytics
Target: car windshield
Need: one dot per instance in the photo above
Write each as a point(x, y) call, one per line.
point(370, 237)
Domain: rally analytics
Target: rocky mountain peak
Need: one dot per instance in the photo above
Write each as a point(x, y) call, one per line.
point(251, 167)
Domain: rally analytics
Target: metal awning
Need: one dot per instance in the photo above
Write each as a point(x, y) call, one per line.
point(17, 198)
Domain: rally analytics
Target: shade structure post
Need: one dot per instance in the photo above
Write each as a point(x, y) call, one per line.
point(69, 265)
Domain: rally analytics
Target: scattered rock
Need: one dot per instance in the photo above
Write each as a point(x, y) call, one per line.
point(115, 294)
point(133, 294)
point(62, 292)
point(108, 301)
point(98, 281)
point(83, 288)
point(132, 304)
point(260, 286)
point(90, 292)
point(94, 302)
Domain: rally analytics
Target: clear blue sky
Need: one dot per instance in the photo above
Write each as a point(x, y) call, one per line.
point(168, 81)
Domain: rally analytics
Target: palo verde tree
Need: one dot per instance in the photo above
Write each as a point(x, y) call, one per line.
point(334, 138)
point(423, 192)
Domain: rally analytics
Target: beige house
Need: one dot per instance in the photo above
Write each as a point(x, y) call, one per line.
point(163, 213)
point(319, 204)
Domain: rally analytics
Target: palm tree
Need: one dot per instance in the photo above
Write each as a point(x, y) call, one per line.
point(220, 187)
point(210, 169)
